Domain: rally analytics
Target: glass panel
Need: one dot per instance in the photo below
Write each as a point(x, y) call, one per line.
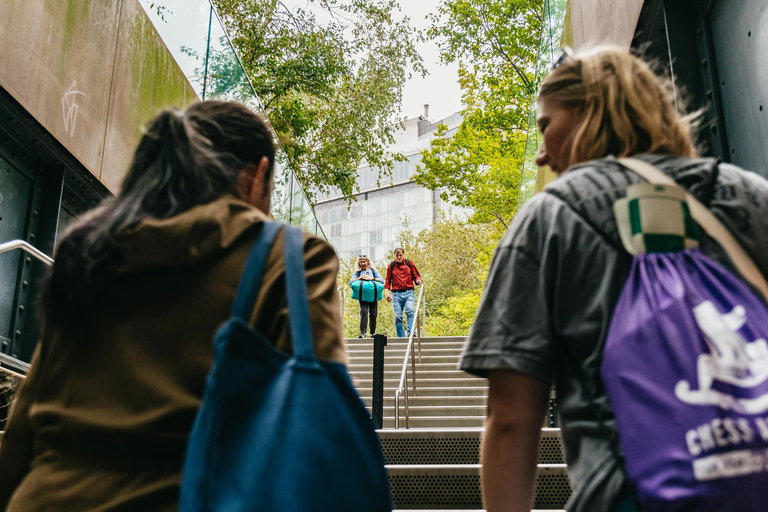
point(281, 195)
point(549, 45)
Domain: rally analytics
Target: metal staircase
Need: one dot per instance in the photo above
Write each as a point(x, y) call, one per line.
point(434, 464)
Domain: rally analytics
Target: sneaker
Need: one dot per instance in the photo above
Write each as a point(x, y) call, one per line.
point(362, 335)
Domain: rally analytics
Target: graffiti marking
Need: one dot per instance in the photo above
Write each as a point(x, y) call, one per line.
point(70, 108)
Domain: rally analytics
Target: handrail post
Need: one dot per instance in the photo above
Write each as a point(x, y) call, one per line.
point(397, 408)
point(377, 391)
point(413, 370)
point(424, 314)
point(405, 395)
point(418, 325)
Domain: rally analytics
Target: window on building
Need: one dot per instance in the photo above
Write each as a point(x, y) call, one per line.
point(336, 230)
point(374, 237)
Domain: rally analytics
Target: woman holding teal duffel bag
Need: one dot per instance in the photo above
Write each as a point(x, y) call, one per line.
point(367, 288)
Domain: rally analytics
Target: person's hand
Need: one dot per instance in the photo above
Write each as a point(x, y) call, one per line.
point(367, 277)
point(419, 282)
point(388, 295)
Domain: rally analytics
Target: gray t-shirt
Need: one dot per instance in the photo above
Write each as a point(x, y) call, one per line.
point(556, 278)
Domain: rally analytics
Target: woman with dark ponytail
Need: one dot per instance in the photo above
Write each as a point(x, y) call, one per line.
point(136, 292)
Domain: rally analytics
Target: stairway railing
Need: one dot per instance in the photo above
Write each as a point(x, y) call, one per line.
point(402, 389)
point(12, 379)
point(27, 247)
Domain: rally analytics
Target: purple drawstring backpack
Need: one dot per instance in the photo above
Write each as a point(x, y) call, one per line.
point(685, 363)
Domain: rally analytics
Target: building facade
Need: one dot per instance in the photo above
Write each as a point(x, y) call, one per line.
point(78, 80)
point(384, 206)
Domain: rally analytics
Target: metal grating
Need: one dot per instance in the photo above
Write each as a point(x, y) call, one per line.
point(436, 491)
point(457, 450)
point(452, 491)
point(431, 450)
point(552, 491)
point(551, 450)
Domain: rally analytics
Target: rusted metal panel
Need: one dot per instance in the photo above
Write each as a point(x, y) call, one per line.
point(146, 79)
point(92, 72)
point(55, 56)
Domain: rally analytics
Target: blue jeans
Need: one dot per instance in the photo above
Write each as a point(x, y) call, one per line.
point(403, 302)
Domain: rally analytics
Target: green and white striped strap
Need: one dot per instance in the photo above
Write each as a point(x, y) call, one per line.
point(707, 221)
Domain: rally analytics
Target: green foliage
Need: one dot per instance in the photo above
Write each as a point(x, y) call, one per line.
point(453, 257)
point(479, 167)
point(331, 90)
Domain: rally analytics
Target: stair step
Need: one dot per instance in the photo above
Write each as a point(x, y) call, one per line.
point(434, 421)
point(365, 392)
point(399, 355)
point(458, 486)
point(449, 401)
point(426, 374)
point(468, 381)
point(438, 410)
point(368, 365)
point(444, 446)
point(424, 339)
point(426, 358)
point(368, 345)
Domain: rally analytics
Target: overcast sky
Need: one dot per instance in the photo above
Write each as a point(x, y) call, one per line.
point(440, 88)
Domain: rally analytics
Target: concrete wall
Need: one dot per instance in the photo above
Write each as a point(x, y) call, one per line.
point(593, 22)
point(92, 72)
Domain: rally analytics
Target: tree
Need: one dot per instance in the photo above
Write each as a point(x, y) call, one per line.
point(331, 89)
point(479, 166)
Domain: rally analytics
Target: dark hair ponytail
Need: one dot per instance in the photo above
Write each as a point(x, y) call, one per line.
point(184, 159)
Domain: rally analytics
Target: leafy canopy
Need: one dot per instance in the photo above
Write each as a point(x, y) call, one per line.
point(331, 87)
point(496, 43)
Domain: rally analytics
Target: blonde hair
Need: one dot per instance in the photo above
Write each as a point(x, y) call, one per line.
point(357, 263)
point(626, 108)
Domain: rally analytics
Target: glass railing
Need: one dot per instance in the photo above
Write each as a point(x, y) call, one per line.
point(549, 47)
point(196, 38)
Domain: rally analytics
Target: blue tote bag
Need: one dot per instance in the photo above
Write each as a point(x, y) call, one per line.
point(277, 431)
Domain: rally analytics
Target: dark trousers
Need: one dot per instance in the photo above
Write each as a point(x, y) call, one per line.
point(368, 309)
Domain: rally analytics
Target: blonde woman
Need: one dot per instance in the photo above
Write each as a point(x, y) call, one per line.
point(365, 272)
point(559, 270)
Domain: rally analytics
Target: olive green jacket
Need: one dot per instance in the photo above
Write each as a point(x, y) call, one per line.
point(102, 421)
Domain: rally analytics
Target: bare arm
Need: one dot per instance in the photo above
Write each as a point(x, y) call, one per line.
point(516, 408)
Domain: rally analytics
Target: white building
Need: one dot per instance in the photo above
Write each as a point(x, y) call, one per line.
point(372, 224)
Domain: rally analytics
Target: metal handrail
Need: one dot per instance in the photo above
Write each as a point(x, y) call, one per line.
point(402, 389)
point(27, 247)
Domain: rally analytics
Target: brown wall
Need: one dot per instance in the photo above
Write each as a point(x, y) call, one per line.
point(592, 22)
point(92, 72)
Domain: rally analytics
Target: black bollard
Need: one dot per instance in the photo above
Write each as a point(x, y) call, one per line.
point(377, 398)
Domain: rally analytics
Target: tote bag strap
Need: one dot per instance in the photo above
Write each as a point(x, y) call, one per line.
point(708, 222)
point(296, 288)
point(250, 282)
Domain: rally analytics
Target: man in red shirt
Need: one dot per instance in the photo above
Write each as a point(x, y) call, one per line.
point(402, 276)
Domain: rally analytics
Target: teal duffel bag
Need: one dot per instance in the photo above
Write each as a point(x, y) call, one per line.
point(367, 291)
